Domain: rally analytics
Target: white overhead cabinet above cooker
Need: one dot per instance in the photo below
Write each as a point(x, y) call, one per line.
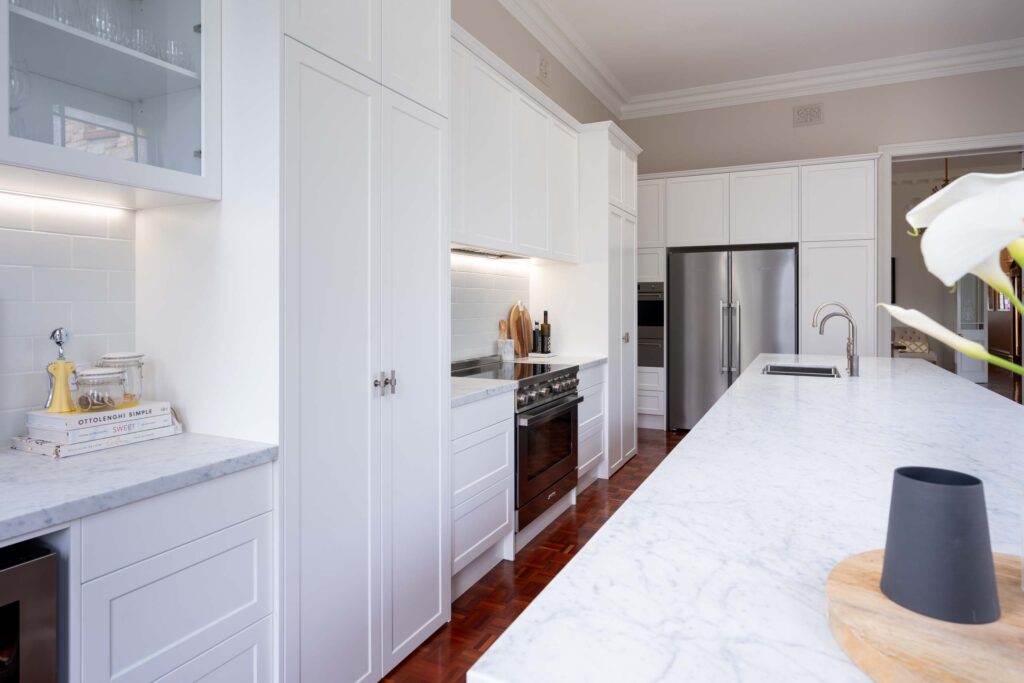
point(515, 166)
point(114, 102)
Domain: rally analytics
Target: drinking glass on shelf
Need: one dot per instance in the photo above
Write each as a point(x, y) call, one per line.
point(20, 85)
point(142, 40)
point(174, 53)
point(66, 12)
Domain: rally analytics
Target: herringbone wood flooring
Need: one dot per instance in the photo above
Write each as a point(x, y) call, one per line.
point(485, 610)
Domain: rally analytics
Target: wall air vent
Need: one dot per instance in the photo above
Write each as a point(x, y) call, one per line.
point(808, 114)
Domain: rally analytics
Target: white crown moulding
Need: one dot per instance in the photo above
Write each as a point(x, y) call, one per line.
point(553, 32)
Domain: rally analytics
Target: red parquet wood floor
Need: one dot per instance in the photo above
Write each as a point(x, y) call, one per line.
point(481, 614)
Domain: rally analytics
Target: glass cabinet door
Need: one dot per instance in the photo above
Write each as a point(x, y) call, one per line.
point(114, 78)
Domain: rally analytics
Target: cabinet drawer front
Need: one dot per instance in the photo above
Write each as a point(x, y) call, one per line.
point(650, 379)
point(593, 404)
point(649, 402)
point(591, 445)
point(143, 621)
point(488, 411)
point(481, 459)
point(591, 376)
point(125, 535)
point(479, 522)
point(247, 656)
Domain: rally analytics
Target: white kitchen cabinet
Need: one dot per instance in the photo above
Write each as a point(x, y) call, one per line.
point(363, 483)
point(483, 154)
point(697, 210)
point(95, 115)
point(530, 177)
point(843, 272)
point(764, 206)
point(650, 214)
point(622, 170)
point(247, 656)
point(592, 427)
point(837, 201)
point(622, 340)
point(650, 265)
point(416, 50)
point(650, 397)
point(563, 191)
point(347, 32)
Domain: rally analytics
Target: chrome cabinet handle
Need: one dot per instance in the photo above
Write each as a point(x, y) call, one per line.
point(739, 336)
point(722, 308)
point(625, 338)
point(393, 381)
point(380, 383)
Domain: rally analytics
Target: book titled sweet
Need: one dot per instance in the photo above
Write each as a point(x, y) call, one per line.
point(59, 450)
point(102, 431)
point(65, 422)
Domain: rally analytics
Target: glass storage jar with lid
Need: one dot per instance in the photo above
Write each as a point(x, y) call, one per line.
point(98, 389)
point(131, 363)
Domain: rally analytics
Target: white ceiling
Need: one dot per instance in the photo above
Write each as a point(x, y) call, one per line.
point(647, 50)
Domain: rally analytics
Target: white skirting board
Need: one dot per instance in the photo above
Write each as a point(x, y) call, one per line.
point(644, 421)
point(533, 529)
point(475, 570)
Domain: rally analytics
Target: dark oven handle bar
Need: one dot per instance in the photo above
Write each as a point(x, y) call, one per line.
point(548, 411)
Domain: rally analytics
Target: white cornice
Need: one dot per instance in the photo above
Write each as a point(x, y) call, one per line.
point(562, 41)
point(557, 36)
point(916, 67)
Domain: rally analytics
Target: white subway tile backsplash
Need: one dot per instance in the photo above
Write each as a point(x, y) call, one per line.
point(483, 292)
point(106, 254)
point(61, 265)
point(22, 248)
point(65, 284)
point(15, 283)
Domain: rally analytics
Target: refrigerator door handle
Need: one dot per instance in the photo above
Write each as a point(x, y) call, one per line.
point(739, 336)
point(723, 309)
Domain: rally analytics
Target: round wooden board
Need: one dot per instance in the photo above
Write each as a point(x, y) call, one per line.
point(892, 643)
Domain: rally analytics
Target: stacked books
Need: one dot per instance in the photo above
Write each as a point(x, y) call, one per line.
point(60, 435)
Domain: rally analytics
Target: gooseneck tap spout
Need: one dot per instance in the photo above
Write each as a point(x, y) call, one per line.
point(819, 309)
point(852, 359)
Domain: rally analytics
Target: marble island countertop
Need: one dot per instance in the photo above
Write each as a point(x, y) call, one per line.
point(715, 568)
point(469, 389)
point(37, 492)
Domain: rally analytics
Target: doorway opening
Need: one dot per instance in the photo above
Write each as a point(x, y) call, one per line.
point(972, 309)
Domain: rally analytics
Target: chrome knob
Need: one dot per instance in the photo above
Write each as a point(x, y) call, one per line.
point(532, 394)
point(522, 399)
point(557, 386)
point(544, 392)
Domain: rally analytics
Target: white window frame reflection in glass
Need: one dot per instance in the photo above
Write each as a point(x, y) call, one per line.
point(62, 114)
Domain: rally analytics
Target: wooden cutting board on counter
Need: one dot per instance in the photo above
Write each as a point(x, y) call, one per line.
point(893, 643)
point(520, 329)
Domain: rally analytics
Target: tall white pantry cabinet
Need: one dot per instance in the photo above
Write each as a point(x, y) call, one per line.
point(366, 531)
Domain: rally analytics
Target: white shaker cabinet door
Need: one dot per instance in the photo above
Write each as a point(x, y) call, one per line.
point(697, 213)
point(416, 50)
point(764, 206)
point(837, 201)
point(563, 191)
point(348, 32)
point(482, 212)
point(415, 520)
point(650, 265)
point(530, 177)
point(627, 285)
point(650, 214)
point(330, 434)
point(843, 272)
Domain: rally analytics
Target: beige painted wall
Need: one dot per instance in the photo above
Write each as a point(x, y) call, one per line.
point(912, 181)
point(856, 121)
point(492, 25)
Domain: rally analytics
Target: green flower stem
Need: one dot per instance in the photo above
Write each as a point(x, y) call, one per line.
point(1003, 363)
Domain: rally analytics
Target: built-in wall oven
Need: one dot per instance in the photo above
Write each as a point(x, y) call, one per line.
point(650, 328)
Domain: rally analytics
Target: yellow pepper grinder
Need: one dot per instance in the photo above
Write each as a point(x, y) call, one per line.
point(59, 400)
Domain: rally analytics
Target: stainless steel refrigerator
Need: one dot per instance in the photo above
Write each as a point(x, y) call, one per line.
point(724, 308)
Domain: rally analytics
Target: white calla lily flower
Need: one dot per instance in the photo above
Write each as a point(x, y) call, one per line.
point(972, 349)
point(969, 222)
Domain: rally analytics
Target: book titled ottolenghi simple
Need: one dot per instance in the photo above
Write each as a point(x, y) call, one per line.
point(67, 421)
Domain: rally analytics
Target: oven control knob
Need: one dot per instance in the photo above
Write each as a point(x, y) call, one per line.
point(544, 392)
point(532, 394)
point(556, 387)
point(522, 399)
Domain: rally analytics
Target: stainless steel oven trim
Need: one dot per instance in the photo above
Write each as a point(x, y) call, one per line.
point(548, 411)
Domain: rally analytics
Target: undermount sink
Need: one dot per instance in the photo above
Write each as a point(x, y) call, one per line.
point(801, 370)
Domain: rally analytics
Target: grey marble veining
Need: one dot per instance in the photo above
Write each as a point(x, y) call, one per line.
point(37, 492)
point(715, 568)
point(469, 389)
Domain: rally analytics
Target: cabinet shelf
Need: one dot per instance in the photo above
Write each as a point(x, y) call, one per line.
point(70, 55)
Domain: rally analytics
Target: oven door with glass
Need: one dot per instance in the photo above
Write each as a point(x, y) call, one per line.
point(547, 449)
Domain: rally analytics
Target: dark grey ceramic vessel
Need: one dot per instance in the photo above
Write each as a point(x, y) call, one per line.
point(938, 556)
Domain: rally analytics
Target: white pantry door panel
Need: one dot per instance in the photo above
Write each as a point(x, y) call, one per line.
point(843, 272)
point(530, 177)
point(650, 214)
point(563, 191)
point(837, 201)
point(482, 126)
point(349, 31)
point(615, 345)
point(627, 285)
point(416, 47)
point(331, 433)
point(650, 265)
point(764, 206)
point(697, 213)
point(416, 507)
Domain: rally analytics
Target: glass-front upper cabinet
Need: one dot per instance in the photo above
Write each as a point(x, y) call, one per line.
point(116, 91)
